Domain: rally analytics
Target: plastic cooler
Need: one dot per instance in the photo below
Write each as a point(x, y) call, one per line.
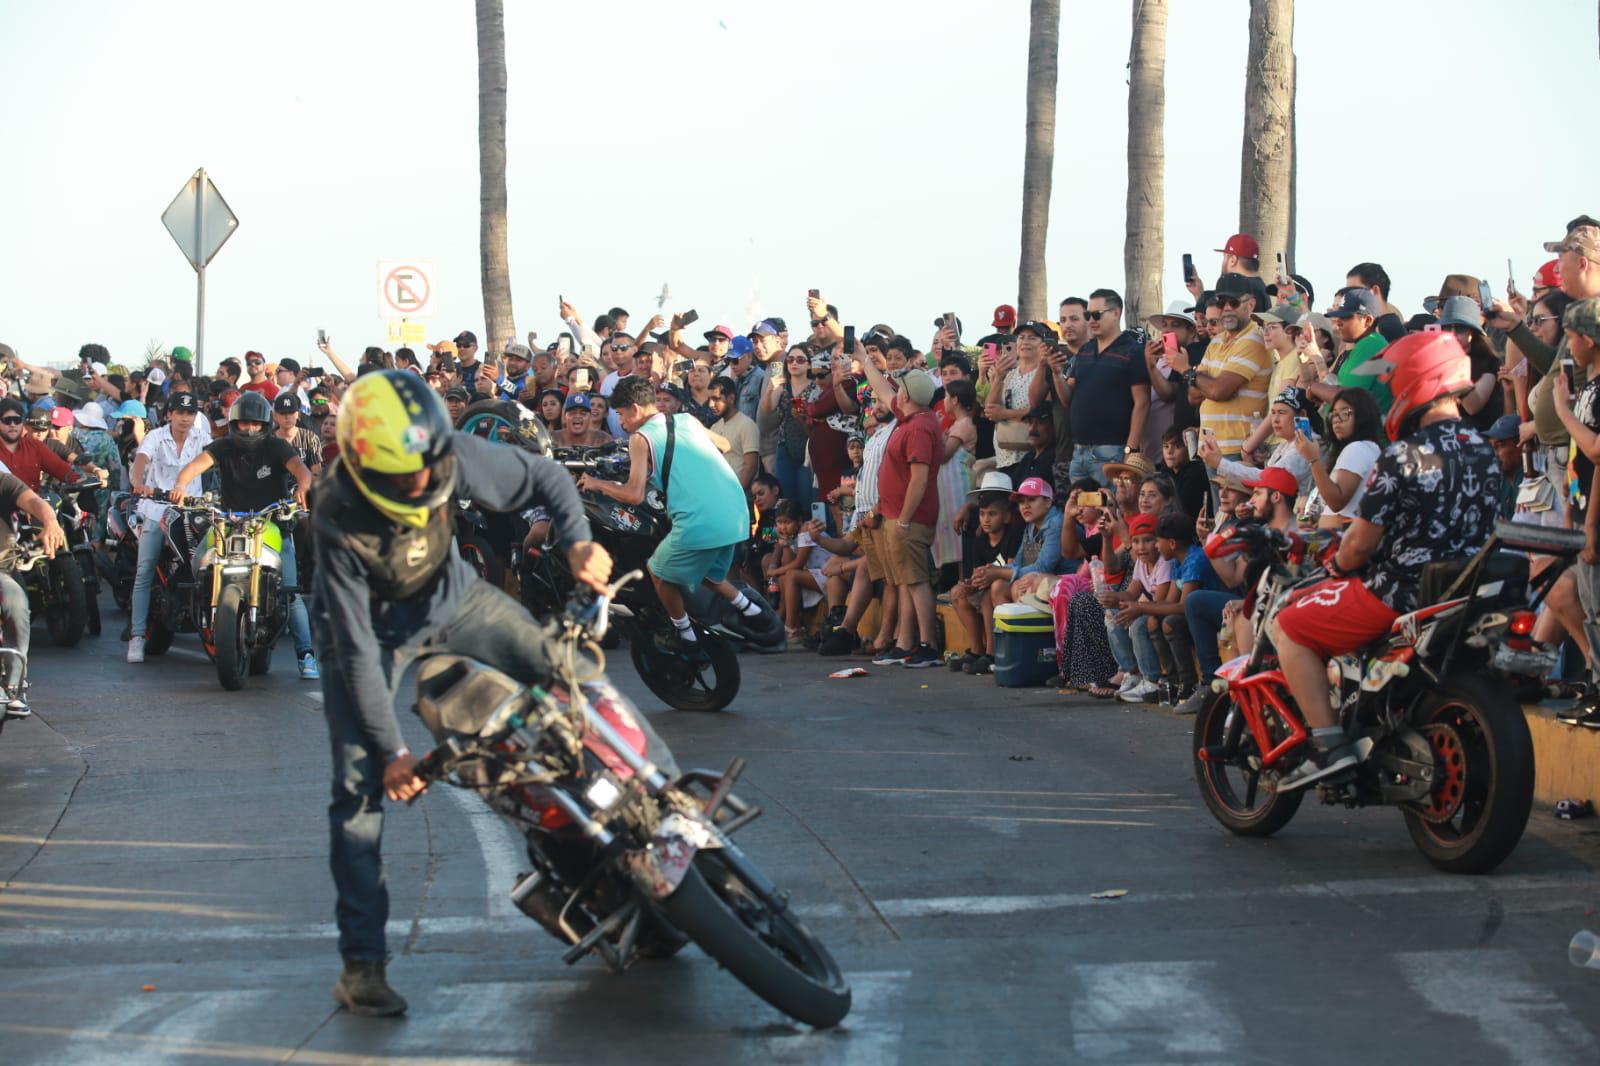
point(1024, 646)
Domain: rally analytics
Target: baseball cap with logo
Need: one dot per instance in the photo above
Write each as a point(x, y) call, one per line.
point(1583, 318)
point(518, 351)
point(577, 399)
point(466, 337)
point(764, 328)
point(60, 417)
point(1585, 240)
point(1033, 486)
point(1045, 331)
point(183, 401)
point(1357, 302)
point(1276, 478)
point(287, 403)
point(1242, 245)
point(740, 347)
point(1005, 318)
point(1548, 276)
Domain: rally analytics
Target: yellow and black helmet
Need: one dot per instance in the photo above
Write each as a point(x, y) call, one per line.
point(391, 422)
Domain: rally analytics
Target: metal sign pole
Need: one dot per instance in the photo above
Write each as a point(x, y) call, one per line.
point(200, 271)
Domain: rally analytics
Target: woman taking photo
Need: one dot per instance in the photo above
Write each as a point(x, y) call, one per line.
point(1340, 479)
point(783, 405)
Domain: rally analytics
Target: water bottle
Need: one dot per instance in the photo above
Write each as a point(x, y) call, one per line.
point(1585, 950)
point(1097, 574)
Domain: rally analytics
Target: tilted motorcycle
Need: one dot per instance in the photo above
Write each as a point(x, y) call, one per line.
point(241, 605)
point(172, 592)
point(630, 859)
point(120, 561)
point(77, 523)
point(1430, 707)
point(56, 588)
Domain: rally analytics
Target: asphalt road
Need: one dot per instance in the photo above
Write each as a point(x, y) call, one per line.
point(167, 895)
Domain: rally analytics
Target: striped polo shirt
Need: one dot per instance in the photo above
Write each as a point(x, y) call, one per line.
point(1245, 354)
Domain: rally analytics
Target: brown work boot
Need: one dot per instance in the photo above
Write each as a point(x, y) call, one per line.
point(363, 990)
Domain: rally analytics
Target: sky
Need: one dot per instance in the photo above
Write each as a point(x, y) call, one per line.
point(740, 152)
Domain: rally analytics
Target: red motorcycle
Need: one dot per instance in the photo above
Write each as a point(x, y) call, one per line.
point(631, 859)
point(1432, 707)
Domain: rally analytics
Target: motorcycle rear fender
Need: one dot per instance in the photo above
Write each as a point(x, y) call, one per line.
point(659, 867)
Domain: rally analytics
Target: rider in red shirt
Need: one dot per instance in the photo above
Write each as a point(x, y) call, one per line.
point(22, 454)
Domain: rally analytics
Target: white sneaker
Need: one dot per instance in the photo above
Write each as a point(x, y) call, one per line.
point(1139, 693)
point(136, 650)
point(1130, 681)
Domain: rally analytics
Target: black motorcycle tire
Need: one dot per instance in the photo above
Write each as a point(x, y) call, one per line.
point(64, 612)
point(261, 661)
point(91, 595)
point(1234, 813)
point(1501, 753)
point(679, 685)
point(715, 910)
point(482, 558)
point(227, 631)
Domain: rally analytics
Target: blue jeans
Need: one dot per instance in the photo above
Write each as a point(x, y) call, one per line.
point(150, 541)
point(794, 479)
point(1122, 648)
point(1203, 611)
point(495, 630)
point(15, 620)
point(1145, 650)
point(1089, 460)
point(299, 620)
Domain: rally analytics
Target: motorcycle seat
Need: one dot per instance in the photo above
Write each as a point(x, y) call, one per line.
point(1508, 568)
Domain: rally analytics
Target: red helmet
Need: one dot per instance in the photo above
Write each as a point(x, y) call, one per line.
point(1422, 367)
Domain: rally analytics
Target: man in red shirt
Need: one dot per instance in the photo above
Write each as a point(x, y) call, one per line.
point(256, 366)
point(22, 454)
point(908, 502)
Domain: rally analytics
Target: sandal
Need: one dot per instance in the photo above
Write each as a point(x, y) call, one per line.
point(1101, 692)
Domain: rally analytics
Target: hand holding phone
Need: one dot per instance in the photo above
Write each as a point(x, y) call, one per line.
point(819, 512)
point(849, 340)
point(1169, 344)
point(1302, 426)
point(322, 337)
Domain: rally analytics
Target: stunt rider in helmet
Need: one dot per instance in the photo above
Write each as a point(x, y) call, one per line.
point(388, 580)
point(253, 463)
point(1431, 496)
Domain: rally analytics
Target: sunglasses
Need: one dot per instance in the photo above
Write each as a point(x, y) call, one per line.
point(619, 348)
point(1227, 301)
point(12, 420)
point(815, 322)
point(465, 344)
point(1537, 319)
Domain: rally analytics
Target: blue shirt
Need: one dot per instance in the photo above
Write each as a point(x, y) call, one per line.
point(1042, 544)
point(1197, 568)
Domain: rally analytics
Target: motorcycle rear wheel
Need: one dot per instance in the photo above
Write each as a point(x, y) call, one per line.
point(227, 630)
point(708, 686)
point(64, 613)
point(1483, 788)
point(482, 558)
point(771, 953)
point(91, 594)
point(1235, 794)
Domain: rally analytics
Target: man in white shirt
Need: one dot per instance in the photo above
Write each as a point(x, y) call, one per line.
point(163, 454)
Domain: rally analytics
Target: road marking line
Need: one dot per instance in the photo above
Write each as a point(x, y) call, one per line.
point(107, 1039)
point(12, 838)
point(1152, 1012)
point(930, 907)
point(1496, 991)
point(504, 853)
point(1008, 792)
point(1020, 818)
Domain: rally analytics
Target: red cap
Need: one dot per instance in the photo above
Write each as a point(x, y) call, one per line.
point(1005, 318)
point(1278, 479)
point(1548, 276)
point(1142, 525)
point(1242, 244)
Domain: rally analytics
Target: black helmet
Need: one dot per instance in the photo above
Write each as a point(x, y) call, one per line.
point(38, 418)
point(250, 407)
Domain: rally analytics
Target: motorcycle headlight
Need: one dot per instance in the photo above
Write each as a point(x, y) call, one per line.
point(602, 794)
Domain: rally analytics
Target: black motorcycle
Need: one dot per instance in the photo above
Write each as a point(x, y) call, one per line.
point(705, 681)
point(77, 523)
point(631, 859)
point(56, 588)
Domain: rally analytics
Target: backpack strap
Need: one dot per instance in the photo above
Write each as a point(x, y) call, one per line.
point(666, 458)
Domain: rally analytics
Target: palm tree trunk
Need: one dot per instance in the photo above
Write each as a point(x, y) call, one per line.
point(499, 326)
point(1044, 33)
point(1144, 248)
point(1265, 187)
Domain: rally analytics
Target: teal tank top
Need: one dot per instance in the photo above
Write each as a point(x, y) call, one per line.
point(705, 500)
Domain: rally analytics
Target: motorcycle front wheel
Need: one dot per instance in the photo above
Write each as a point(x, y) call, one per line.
point(64, 611)
point(770, 952)
point(1483, 776)
point(227, 630)
point(1232, 786)
point(91, 593)
point(709, 684)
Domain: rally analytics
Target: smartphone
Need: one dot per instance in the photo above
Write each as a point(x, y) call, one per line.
point(819, 512)
point(322, 336)
point(950, 320)
point(1169, 344)
point(814, 294)
point(849, 340)
point(564, 344)
point(990, 350)
point(1091, 499)
point(1302, 424)
point(1188, 267)
point(683, 366)
point(580, 380)
point(1282, 273)
point(1191, 441)
point(1485, 295)
point(689, 317)
point(1567, 372)
point(1511, 278)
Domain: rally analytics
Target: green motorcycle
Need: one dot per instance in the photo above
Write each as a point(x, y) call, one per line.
point(241, 605)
